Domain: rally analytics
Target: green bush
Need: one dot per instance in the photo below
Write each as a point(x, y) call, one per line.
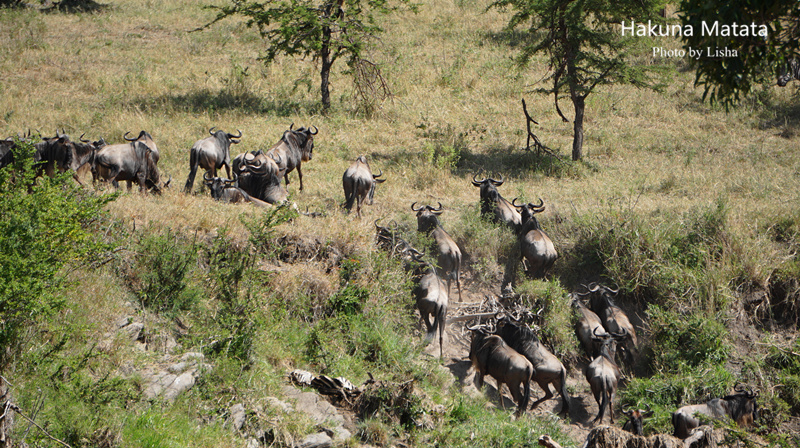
point(46, 228)
point(685, 339)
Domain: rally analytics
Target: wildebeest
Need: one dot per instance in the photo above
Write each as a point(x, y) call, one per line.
point(61, 153)
point(740, 407)
point(536, 246)
point(226, 190)
point(603, 375)
point(147, 139)
point(547, 369)
point(259, 176)
point(613, 318)
point(389, 240)
point(295, 147)
point(211, 153)
point(792, 72)
point(449, 255)
point(491, 356)
point(129, 162)
point(496, 206)
point(587, 326)
point(635, 422)
point(359, 184)
point(430, 293)
point(7, 151)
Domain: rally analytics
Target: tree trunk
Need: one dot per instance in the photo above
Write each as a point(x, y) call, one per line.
point(325, 72)
point(577, 140)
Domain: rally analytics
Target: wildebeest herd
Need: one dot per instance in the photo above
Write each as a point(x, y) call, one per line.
point(505, 348)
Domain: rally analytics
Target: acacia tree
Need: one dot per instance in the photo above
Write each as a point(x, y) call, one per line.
point(727, 79)
point(326, 30)
point(583, 45)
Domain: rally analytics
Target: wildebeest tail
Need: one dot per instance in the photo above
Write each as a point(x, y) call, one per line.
point(526, 394)
point(192, 171)
point(564, 393)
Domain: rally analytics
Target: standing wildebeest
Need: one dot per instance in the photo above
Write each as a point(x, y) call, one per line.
point(740, 407)
point(211, 154)
point(603, 374)
point(147, 139)
point(431, 298)
point(792, 72)
point(129, 162)
point(586, 327)
point(635, 422)
point(491, 356)
point(7, 147)
point(259, 176)
point(61, 153)
point(536, 246)
point(295, 147)
point(225, 190)
point(496, 206)
point(613, 318)
point(449, 255)
point(547, 369)
point(359, 184)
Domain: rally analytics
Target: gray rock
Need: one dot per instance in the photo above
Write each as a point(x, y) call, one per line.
point(238, 416)
point(133, 331)
point(318, 440)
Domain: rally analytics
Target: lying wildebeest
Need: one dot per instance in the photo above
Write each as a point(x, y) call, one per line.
point(635, 422)
point(491, 356)
point(495, 206)
point(449, 255)
point(61, 153)
point(259, 176)
point(430, 293)
point(389, 240)
point(295, 147)
point(147, 139)
point(613, 318)
point(603, 375)
point(211, 153)
point(359, 184)
point(547, 369)
point(586, 327)
point(740, 407)
point(226, 190)
point(129, 162)
point(536, 246)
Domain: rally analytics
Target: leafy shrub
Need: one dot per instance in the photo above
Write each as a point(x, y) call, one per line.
point(262, 226)
point(685, 339)
point(555, 319)
point(159, 272)
point(46, 227)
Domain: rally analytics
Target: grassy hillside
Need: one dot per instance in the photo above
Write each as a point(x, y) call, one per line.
point(689, 209)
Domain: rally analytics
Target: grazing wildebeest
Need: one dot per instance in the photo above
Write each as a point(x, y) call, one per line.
point(536, 246)
point(491, 356)
point(295, 147)
point(129, 162)
point(496, 206)
point(211, 154)
point(603, 375)
point(359, 184)
point(259, 176)
point(792, 72)
point(226, 190)
point(547, 369)
point(147, 139)
point(586, 327)
point(430, 293)
point(449, 255)
point(635, 422)
point(613, 318)
point(740, 407)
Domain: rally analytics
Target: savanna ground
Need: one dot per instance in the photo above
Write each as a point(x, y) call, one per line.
point(689, 209)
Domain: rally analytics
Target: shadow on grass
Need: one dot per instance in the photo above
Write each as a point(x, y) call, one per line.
point(76, 6)
point(209, 101)
point(784, 117)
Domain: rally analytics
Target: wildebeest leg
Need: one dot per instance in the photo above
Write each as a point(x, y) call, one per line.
point(300, 175)
point(458, 285)
point(227, 170)
point(478, 379)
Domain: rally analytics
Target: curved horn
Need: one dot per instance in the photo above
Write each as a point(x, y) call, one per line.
point(81, 138)
point(416, 209)
point(207, 178)
point(437, 209)
point(627, 411)
point(497, 183)
point(612, 291)
point(211, 131)
point(537, 208)
point(475, 182)
point(647, 412)
point(514, 203)
point(375, 176)
point(476, 327)
point(291, 126)
point(594, 332)
point(593, 287)
point(126, 138)
point(236, 136)
point(315, 130)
